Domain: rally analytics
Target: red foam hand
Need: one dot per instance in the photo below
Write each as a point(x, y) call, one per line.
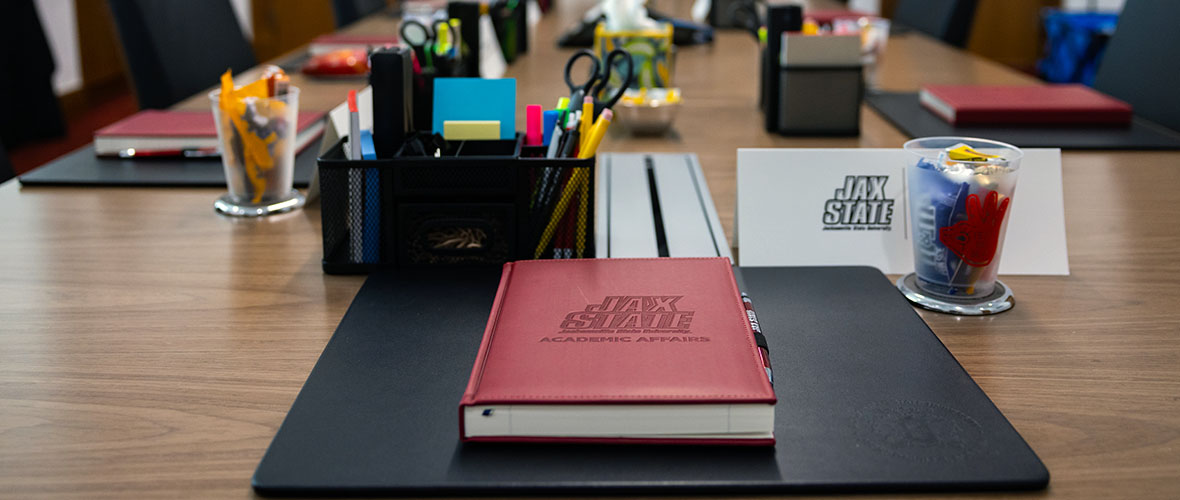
point(974, 240)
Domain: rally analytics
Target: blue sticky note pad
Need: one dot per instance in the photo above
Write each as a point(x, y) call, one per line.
point(476, 99)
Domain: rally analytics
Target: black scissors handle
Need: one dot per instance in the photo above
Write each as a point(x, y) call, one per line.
point(609, 62)
point(582, 89)
point(426, 33)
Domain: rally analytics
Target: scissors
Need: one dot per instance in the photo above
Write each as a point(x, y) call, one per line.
point(599, 77)
point(422, 40)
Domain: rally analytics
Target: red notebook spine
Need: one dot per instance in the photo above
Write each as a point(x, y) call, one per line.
point(1011, 116)
point(484, 345)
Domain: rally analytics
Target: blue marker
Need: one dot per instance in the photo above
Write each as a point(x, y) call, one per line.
point(371, 232)
point(548, 121)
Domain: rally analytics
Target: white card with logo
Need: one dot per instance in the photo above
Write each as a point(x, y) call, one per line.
point(833, 207)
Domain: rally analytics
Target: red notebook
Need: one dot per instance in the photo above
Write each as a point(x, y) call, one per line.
point(828, 16)
point(1068, 104)
point(619, 351)
point(154, 132)
point(335, 41)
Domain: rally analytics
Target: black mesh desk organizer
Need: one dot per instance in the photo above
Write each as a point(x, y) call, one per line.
point(480, 203)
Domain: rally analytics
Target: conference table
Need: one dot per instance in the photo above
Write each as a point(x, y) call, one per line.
point(151, 348)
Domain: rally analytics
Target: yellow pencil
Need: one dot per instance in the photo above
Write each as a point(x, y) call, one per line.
point(559, 210)
point(596, 133)
point(583, 206)
point(587, 119)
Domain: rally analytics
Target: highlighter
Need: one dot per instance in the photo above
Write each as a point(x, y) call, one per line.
point(533, 133)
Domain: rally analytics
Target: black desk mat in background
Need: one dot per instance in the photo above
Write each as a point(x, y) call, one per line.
point(869, 400)
point(83, 168)
point(906, 113)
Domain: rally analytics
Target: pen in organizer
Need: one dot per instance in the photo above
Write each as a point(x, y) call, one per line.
point(558, 128)
point(572, 138)
point(551, 152)
point(578, 182)
point(355, 194)
point(354, 128)
point(571, 118)
point(759, 338)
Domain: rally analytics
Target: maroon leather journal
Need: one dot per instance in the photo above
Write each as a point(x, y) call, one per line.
point(166, 130)
point(1066, 104)
point(619, 350)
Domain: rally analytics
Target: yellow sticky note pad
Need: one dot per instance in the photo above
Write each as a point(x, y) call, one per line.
point(471, 130)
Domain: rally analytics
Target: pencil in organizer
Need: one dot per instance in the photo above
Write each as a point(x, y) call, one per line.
point(587, 118)
point(596, 134)
point(583, 209)
point(563, 202)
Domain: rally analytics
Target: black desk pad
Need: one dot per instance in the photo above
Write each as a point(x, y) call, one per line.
point(82, 168)
point(869, 400)
point(906, 113)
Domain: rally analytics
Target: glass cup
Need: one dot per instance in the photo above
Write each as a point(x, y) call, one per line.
point(958, 205)
point(257, 146)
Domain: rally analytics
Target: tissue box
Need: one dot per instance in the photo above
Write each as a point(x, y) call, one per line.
point(651, 53)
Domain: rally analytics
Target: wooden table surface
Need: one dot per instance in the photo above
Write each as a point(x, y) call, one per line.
point(150, 348)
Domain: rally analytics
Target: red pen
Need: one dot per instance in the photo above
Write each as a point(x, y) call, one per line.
point(354, 127)
point(185, 152)
point(763, 352)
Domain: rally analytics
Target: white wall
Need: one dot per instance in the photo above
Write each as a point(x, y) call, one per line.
point(869, 6)
point(245, 16)
point(1096, 5)
point(58, 19)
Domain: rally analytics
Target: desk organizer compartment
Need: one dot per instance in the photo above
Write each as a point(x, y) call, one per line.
point(547, 233)
point(482, 203)
point(812, 84)
point(456, 233)
point(820, 100)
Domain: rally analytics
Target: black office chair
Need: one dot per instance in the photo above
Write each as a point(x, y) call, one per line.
point(6, 171)
point(1139, 65)
point(175, 48)
point(946, 20)
point(348, 11)
point(29, 109)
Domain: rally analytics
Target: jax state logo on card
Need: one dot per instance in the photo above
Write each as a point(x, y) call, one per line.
point(859, 205)
point(629, 318)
